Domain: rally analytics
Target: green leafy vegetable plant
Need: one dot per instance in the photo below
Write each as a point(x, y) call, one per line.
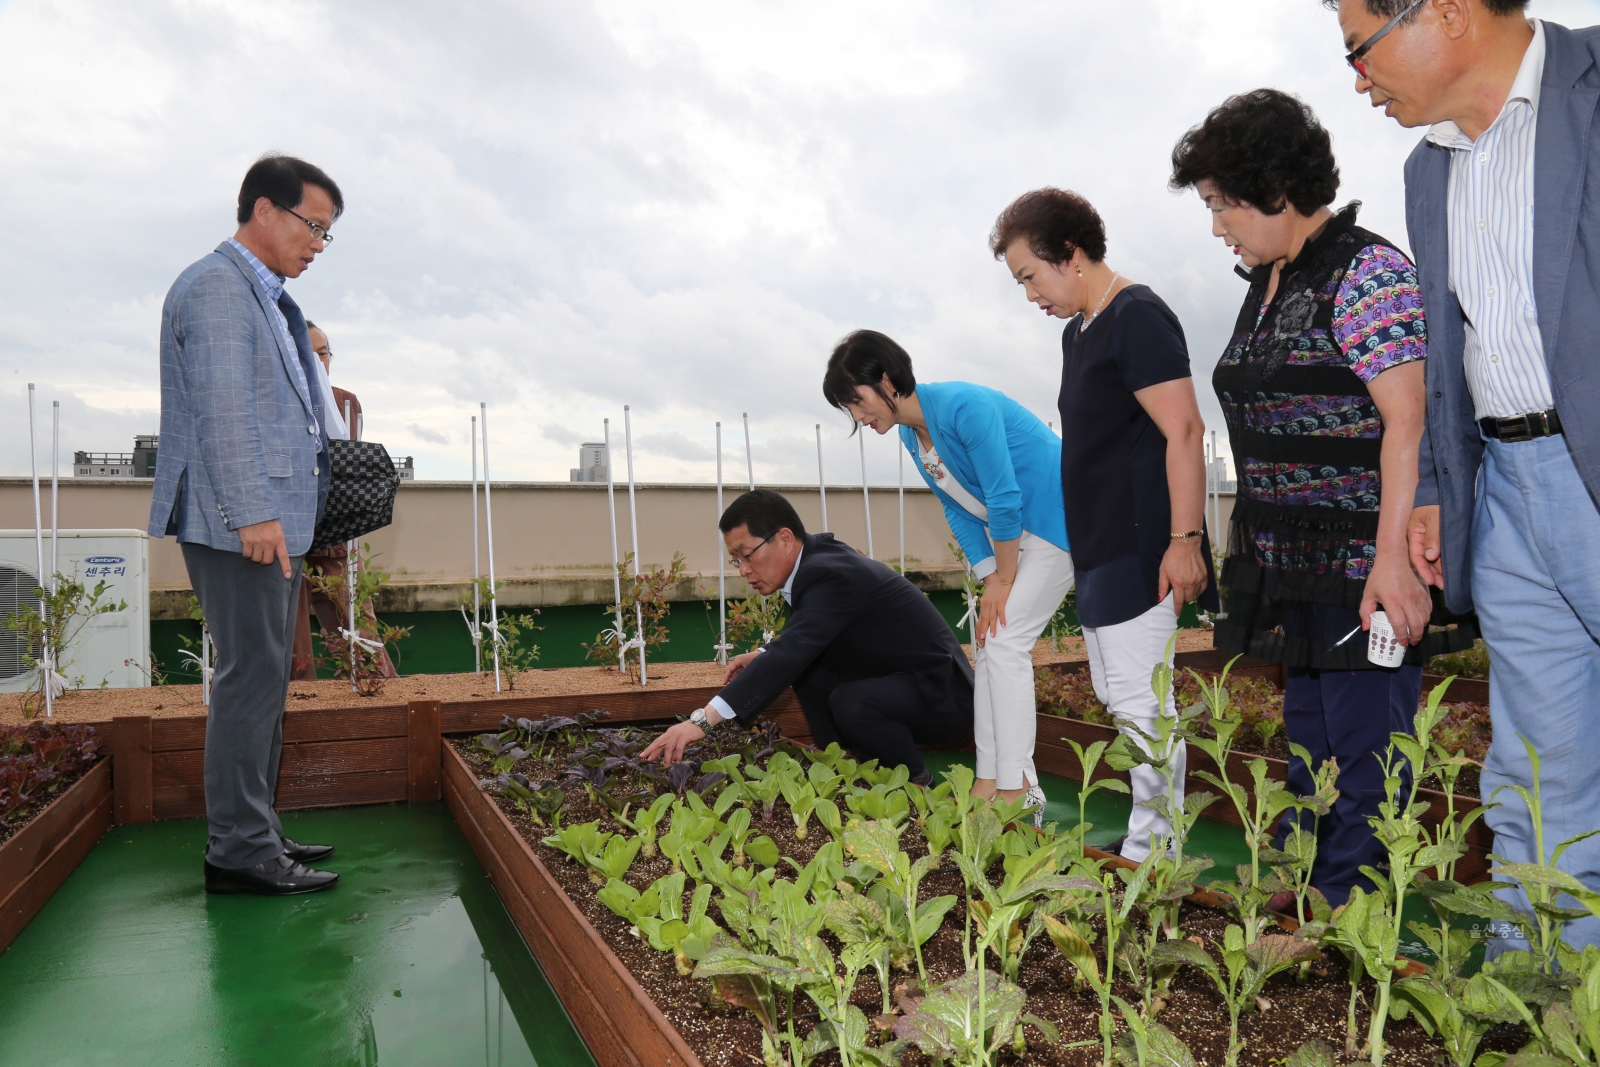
point(1244, 971)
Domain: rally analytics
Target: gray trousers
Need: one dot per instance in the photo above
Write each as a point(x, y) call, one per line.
point(250, 609)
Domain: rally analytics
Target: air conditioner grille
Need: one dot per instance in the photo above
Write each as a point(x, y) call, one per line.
point(17, 590)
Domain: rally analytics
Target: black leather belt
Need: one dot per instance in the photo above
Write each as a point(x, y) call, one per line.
point(1521, 427)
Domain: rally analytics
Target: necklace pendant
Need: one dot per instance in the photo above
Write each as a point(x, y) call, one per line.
point(1085, 320)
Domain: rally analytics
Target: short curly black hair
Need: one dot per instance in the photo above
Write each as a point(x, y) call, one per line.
point(1055, 223)
point(1264, 148)
point(1388, 9)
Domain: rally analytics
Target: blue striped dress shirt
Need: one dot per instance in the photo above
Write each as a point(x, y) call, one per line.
point(1490, 213)
point(273, 283)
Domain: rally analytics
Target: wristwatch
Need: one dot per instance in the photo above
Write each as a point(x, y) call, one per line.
point(698, 717)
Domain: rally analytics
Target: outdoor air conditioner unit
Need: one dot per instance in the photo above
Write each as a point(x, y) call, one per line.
point(110, 650)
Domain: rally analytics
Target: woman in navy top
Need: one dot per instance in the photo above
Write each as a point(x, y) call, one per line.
point(996, 469)
point(1132, 465)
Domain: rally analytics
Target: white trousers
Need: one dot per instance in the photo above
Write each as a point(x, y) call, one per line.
point(1003, 702)
point(1121, 659)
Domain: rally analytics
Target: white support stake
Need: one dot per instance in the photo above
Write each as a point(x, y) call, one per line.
point(822, 484)
point(46, 665)
point(866, 502)
point(1214, 483)
point(55, 493)
point(749, 458)
point(352, 550)
point(616, 576)
point(488, 522)
point(633, 519)
point(722, 565)
point(477, 590)
point(205, 664)
point(901, 452)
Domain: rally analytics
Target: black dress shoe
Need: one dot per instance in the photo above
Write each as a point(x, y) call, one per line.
point(281, 877)
point(306, 853)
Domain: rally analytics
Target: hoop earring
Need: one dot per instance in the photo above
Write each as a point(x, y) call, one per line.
point(1079, 268)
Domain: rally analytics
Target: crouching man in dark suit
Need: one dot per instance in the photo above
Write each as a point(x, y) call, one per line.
point(874, 664)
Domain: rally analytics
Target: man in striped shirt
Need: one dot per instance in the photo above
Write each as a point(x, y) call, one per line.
point(1501, 204)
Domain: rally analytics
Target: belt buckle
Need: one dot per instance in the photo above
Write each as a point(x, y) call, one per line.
point(1514, 428)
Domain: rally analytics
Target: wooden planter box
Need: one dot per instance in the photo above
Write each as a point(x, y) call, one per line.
point(1471, 690)
point(616, 1019)
point(1053, 755)
point(336, 757)
point(39, 857)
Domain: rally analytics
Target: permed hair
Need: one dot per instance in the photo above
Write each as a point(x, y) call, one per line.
point(763, 512)
point(1056, 223)
point(859, 362)
point(282, 180)
point(1263, 148)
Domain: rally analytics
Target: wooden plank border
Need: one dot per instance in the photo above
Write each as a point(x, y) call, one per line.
point(132, 745)
point(614, 1016)
point(422, 751)
point(643, 705)
point(38, 858)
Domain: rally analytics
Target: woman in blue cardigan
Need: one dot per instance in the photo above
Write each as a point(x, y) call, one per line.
point(997, 470)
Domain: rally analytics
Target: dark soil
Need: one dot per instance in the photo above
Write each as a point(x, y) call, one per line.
point(722, 1037)
point(11, 826)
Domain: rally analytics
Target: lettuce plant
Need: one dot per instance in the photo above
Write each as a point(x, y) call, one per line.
point(802, 801)
point(1244, 971)
point(646, 822)
point(1300, 843)
point(1076, 944)
point(878, 843)
point(606, 855)
point(879, 804)
point(1146, 1043)
point(966, 1021)
point(1258, 806)
point(1089, 761)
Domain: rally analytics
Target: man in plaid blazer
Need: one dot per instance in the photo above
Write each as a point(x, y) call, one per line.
point(240, 481)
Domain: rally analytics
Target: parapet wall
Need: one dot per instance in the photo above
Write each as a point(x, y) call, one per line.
point(552, 540)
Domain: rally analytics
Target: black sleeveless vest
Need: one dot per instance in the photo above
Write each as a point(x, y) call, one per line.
point(1321, 536)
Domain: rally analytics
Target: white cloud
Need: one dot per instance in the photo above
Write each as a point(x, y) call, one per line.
point(564, 208)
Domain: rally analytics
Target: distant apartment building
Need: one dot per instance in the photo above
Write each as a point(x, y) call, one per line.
point(591, 463)
point(403, 467)
point(140, 463)
point(1217, 480)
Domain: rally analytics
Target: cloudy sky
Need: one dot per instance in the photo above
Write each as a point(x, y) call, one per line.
point(564, 207)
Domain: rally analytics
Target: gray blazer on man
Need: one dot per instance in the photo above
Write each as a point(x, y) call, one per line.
point(240, 438)
point(1566, 284)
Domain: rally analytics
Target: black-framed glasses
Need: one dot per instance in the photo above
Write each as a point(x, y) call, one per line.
point(318, 231)
point(1356, 57)
point(739, 559)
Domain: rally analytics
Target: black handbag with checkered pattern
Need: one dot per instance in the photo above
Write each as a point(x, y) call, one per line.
point(361, 491)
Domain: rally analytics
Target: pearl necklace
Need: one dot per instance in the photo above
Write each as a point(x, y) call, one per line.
point(1083, 320)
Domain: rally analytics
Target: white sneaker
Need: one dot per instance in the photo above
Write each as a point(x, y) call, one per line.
point(1035, 797)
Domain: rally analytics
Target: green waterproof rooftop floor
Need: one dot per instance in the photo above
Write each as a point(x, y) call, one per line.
point(410, 960)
